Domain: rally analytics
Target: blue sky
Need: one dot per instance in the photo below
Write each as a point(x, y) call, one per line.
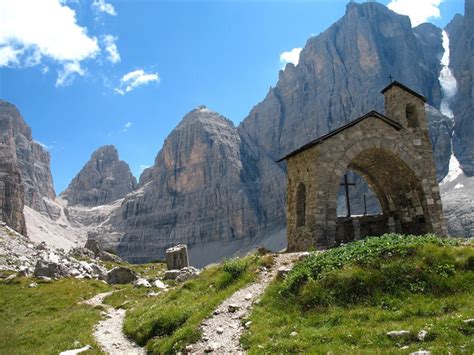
point(88, 73)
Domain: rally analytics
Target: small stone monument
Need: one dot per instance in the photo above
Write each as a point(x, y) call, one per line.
point(177, 257)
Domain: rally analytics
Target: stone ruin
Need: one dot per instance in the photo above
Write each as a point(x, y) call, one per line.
point(392, 152)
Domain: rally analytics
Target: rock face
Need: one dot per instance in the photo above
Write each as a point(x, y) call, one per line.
point(11, 197)
point(102, 180)
point(339, 76)
point(208, 184)
point(440, 128)
point(32, 160)
point(461, 31)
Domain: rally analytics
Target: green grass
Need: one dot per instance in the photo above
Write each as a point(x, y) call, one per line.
point(47, 319)
point(347, 299)
point(167, 323)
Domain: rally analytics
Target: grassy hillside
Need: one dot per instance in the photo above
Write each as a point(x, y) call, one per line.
point(347, 299)
point(47, 319)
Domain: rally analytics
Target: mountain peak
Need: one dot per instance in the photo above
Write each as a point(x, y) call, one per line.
point(102, 180)
point(106, 151)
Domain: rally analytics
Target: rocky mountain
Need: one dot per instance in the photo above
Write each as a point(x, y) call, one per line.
point(102, 180)
point(216, 187)
point(209, 184)
point(461, 31)
point(32, 160)
point(214, 183)
point(339, 77)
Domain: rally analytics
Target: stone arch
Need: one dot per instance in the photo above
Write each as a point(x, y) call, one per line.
point(394, 178)
point(412, 116)
point(301, 205)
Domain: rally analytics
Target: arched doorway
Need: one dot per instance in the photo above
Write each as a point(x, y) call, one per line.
point(398, 191)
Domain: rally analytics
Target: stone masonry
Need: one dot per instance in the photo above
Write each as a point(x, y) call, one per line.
point(393, 153)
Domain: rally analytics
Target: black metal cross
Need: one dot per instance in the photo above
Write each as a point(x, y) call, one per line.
point(365, 205)
point(390, 77)
point(346, 184)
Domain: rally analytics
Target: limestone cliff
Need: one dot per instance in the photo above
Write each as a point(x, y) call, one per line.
point(461, 31)
point(339, 77)
point(208, 184)
point(32, 160)
point(102, 180)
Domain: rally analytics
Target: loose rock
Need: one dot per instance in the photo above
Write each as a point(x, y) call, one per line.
point(283, 271)
point(398, 333)
point(233, 308)
point(141, 283)
point(422, 335)
point(121, 275)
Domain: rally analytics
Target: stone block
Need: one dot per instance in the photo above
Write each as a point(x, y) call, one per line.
point(177, 257)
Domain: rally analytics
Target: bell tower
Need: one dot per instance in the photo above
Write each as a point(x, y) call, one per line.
point(405, 106)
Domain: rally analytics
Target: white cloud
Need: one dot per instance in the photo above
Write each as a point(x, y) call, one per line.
point(126, 126)
point(419, 11)
point(135, 79)
point(102, 6)
point(68, 73)
point(113, 54)
point(292, 56)
point(9, 56)
point(46, 28)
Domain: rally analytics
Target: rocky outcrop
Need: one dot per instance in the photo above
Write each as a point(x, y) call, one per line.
point(102, 180)
point(339, 77)
point(11, 197)
point(208, 184)
point(32, 160)
point(441, 128)
point(461, 31)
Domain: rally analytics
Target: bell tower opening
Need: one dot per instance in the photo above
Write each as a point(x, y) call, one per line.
point(412, 117)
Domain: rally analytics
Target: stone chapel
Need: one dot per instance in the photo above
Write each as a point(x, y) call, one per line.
point(392, 152)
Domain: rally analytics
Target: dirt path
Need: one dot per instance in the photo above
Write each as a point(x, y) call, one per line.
point(108, 332)
point(221, 332)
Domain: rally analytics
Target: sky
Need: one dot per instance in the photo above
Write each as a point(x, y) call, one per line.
point(85, 73)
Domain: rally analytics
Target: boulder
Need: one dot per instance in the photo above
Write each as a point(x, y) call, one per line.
point(81, 252)
point(187, 273)
point(47, 269)
point(171, 274)
point(94, 246)
point(177, 257)
point(106, 256)
point(121, 275)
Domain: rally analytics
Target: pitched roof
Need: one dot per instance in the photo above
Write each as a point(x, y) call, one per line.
point(375, 114)
point(401, 86)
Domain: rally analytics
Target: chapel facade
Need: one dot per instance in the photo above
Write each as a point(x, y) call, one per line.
point(392, 152)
